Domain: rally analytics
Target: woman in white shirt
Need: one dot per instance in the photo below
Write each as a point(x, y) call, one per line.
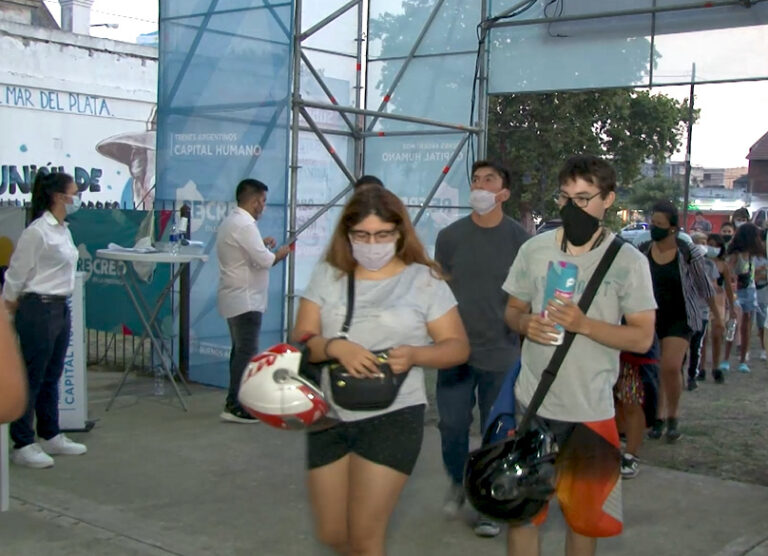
point(38, 283)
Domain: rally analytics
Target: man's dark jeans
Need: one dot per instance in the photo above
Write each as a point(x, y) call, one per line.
point(244, 331)
point(43, 330)
point(455, 400)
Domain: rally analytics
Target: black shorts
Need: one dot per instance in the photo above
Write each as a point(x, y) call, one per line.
point(677, 328)
point(393, 439)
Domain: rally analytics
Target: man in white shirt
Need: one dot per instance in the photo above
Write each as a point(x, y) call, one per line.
point(244, 262)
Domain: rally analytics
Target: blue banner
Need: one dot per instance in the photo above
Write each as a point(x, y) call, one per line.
point(223, 115)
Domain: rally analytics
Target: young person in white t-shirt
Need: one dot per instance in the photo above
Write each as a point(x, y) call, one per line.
point(579, 406)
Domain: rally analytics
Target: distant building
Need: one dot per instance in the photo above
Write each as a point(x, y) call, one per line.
point(76, 102)
point(758, 166)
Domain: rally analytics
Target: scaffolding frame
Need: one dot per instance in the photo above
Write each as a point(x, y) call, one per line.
point(360, 120)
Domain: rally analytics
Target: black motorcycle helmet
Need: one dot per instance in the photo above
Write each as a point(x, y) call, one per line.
point(512, 480)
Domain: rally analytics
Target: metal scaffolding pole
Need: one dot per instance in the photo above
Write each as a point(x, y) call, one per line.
point(411, 54)
point(440, 179)
point(326, 20)
point(294, 166)
point(399, 117)
point(191, 53)
point(361, 85)
point(482, 87)
point(327, 91)
point(620, 13)
point(327, 144)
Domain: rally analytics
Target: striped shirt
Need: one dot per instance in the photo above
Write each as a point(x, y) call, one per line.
point(694, 280)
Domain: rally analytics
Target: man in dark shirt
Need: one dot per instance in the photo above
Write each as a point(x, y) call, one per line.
point(701, 224)
point(476, 254)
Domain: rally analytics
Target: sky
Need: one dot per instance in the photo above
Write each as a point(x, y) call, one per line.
point(133, 17)
point(733, 115)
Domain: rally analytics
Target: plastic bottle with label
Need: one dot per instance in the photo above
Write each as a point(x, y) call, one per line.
point(173, 239)
point(561, 280)
point(730, 330)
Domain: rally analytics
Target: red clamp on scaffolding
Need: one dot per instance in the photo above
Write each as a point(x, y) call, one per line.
point(446, 169)
point(381, 134)
point(386, 98)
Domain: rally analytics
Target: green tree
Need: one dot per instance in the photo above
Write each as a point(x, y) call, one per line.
point(533, 133)
point(646, 191)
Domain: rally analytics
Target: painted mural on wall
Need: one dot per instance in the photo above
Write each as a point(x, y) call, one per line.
point(107, 144)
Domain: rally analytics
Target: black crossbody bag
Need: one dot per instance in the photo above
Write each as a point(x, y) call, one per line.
point(351, 392)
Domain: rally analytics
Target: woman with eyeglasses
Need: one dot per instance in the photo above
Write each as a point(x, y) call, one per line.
point(358, 468)
point(38, 283)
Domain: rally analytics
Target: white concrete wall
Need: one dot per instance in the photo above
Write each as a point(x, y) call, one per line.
point(60, 95)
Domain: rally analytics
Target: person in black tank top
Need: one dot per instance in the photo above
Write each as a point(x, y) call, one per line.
point(678, 281)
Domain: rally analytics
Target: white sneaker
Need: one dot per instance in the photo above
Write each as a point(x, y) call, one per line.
point(486, 528)
point(454, 500)
point(763, 355)
point(32, 455)
point(61, 445)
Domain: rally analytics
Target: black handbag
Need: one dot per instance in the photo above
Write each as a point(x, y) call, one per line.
point(351, 392)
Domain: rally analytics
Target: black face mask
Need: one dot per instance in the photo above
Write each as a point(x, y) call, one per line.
point(579, 225)
point(658, 234)
point(727, 237)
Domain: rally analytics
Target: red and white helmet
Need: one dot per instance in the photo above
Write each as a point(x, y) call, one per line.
point(273, 391)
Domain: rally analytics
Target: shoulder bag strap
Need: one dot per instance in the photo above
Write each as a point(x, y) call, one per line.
point(350, 305)
point(549, 374)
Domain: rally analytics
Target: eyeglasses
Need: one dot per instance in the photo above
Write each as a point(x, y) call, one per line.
point(361, 236)
point(580, 201)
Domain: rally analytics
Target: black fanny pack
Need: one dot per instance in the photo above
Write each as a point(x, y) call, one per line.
point(366, 393)
point(359, 393)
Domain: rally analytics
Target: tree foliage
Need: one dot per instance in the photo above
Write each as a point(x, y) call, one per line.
point(533, 133)
point(646, 191)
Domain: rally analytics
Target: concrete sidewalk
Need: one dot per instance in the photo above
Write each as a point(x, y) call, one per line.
point(157, 480)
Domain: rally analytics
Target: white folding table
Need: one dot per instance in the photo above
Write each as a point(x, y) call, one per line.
point(147, 315)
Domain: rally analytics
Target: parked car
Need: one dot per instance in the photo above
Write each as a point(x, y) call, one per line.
point(548, 225)
point(630, 232)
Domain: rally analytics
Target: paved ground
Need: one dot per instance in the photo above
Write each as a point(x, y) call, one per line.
point(157, 480)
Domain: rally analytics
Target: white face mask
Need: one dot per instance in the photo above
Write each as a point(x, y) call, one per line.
point(482, 201)
point(74, 206)
point(373, 256)
point(713, 252)
point(739, 222)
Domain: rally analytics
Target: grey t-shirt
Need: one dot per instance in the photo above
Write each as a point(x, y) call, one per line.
point(477, 261)
point(583, 389)
point(387, 313)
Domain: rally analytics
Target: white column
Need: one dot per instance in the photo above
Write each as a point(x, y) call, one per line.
point(76, 16)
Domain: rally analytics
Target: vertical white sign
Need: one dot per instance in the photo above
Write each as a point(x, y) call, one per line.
point(73, 391)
